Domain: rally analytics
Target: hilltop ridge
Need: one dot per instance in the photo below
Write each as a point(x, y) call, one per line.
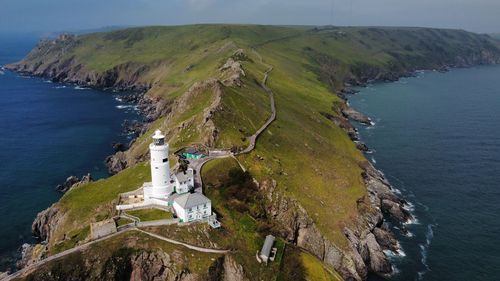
point(310, 184)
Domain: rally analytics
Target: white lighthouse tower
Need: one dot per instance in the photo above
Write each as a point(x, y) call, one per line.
point(160, 168)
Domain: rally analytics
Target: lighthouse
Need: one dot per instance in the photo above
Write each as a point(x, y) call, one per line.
point(160, 168)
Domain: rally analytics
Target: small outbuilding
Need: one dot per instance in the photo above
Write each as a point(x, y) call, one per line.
point(265, 252)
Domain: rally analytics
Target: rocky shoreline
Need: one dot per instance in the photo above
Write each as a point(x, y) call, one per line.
point(367, 241)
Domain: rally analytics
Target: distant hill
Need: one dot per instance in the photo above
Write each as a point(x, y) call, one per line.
point(495, 35)
point(202, 84)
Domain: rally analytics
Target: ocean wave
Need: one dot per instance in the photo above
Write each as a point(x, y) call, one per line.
point(399, 253)
point(412, 220)
point(47, 81)
point(122, 106)
point(410, 207)
point(118, 99)
point(424, 248)
point(60, 87)
point(80, 88)
point(374, 161)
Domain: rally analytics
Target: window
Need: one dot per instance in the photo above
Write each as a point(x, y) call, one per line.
point(189, 210)
point(165, 160)
point(205, 205)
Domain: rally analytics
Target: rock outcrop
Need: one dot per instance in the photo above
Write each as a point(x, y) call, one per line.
point(352, 114)
point(367, 240)
point(46, 221)
point(73, 181)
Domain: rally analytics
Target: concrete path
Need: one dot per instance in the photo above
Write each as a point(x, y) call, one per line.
point(253, 138)
point(189, 246)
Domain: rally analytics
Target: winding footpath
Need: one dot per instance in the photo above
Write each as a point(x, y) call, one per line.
point(219, 154)
point(196, 165)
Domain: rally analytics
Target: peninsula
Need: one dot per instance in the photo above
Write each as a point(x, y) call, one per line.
point(255, 119)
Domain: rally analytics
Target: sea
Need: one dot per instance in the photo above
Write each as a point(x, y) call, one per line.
point(436, 138)
point(48, 131)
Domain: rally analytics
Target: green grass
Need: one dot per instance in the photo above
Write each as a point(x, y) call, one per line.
point(123, 221)
point(150, 214)
point(316, 271)
point(311, 159)
point(96, 200)
point(74, 237)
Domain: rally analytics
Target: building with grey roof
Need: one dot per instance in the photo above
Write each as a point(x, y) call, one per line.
point(192, 207)
point(265, 252)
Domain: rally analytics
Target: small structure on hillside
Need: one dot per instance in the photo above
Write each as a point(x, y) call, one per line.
point(102, 228)
point(192, 153)
point(268, 252)
point(192, 207)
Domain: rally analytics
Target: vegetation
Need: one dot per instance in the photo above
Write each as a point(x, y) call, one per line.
point(150, 214)
point(111, 259)
point(311, 159)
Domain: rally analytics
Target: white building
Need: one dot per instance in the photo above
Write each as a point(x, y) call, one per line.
point(192, 207)
point(184, 181)
point(162, 184)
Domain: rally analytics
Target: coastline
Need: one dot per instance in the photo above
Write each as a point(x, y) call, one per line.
point(21, 256)
point(381, 194)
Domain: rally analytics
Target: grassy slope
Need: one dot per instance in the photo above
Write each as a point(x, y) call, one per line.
point(150, 214)
point(310, 158)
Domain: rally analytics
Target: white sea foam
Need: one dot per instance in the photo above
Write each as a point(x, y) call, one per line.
point(119, 99)
point(409, 234)
point(412, 220)
point(80, 88)
point(60, 87)
point(122, 106)
point(374, 161)
point(424, 250)
point(410, 207)
point(47, 81)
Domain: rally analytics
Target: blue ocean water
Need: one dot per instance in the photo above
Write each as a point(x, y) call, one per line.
point(48, 131)
point(436, 138)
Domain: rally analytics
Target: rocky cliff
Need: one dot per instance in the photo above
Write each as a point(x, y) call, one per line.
point(360, 249)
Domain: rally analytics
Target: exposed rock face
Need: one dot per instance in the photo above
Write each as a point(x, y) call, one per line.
point(56, 66)
point(232, 270)
point(46, 222)
point(116, 162)
point(350, 113)
point(73, 181)
point(233, 71)
point(30, 254)
point(367, 240)
point(156, 265)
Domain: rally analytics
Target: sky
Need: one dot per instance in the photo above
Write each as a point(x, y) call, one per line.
point(17, 16)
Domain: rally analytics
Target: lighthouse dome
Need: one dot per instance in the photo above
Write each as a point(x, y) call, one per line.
point(158, 135)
